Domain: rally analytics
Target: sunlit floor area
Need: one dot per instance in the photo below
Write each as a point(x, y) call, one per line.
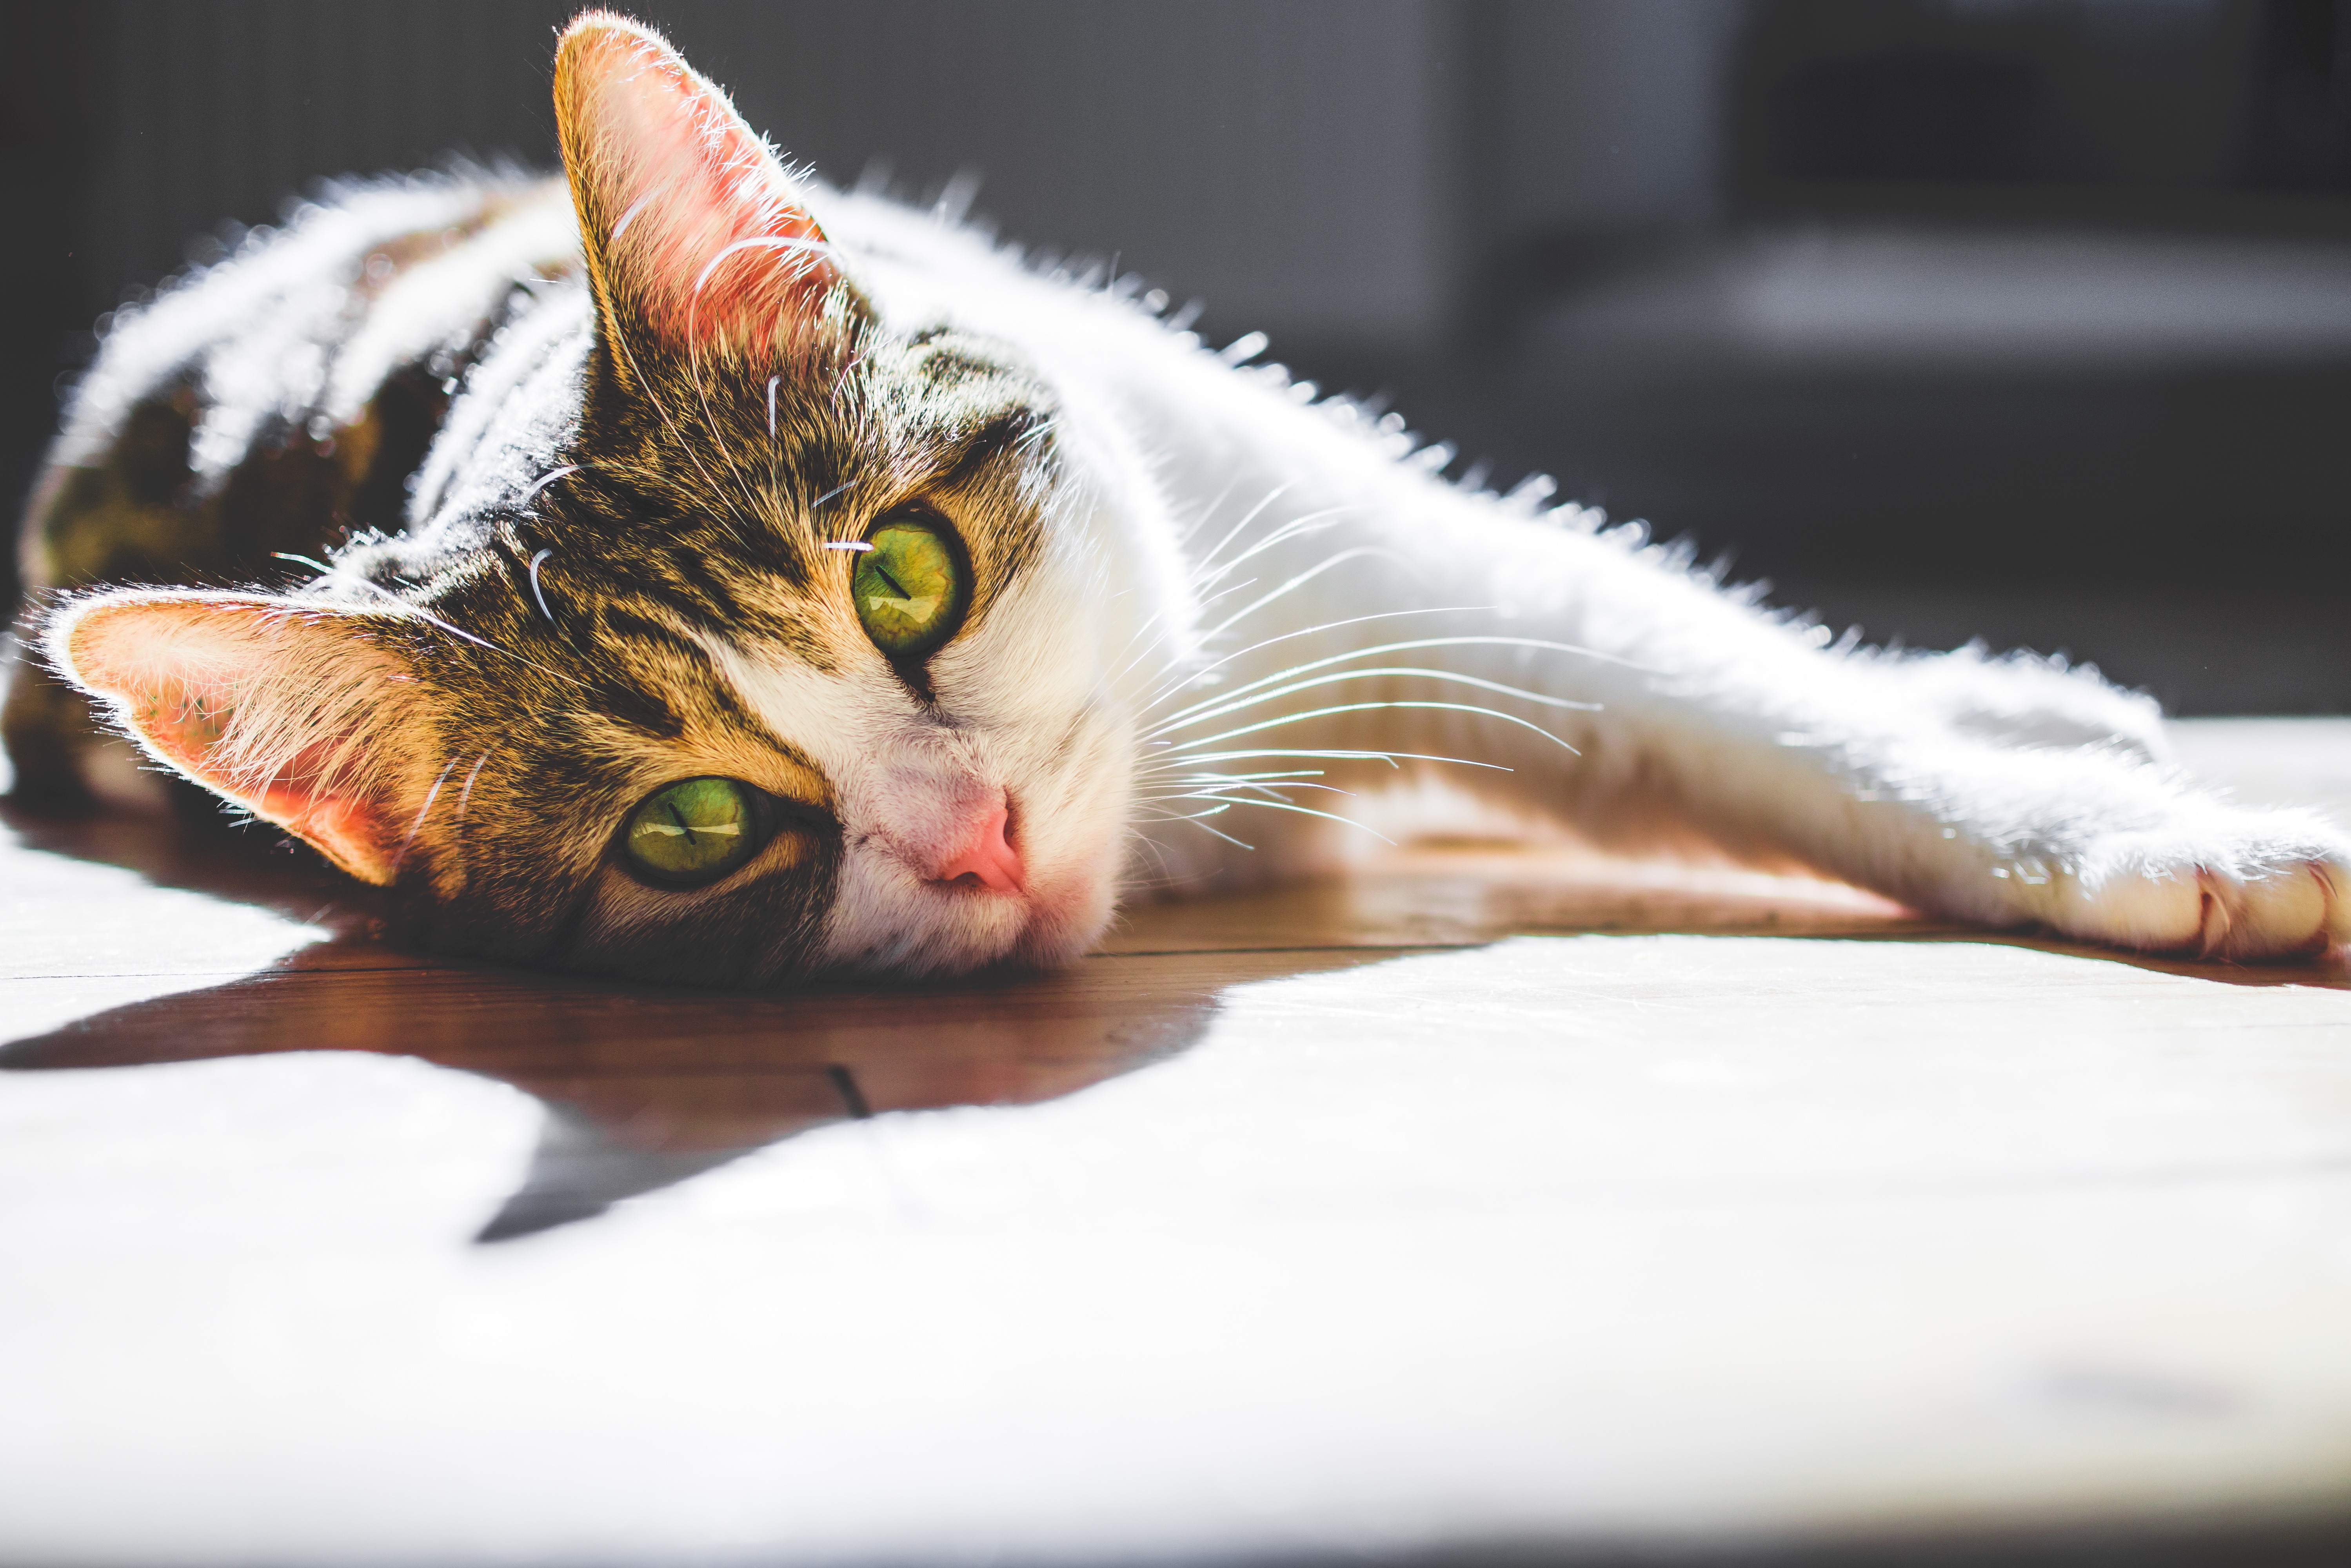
point(1494, 1204)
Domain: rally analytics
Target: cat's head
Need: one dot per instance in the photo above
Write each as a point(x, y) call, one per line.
point(799, 655)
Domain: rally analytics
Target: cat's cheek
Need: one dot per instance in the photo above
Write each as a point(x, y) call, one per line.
point(1075, 891)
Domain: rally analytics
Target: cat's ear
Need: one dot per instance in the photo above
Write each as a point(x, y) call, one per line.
point(306, 716)
point(692, 231)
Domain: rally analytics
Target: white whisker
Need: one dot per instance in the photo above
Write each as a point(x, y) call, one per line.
point(1210, 510)
point(534, 593)
point(1176, 685)
point(1202, 714)
point(1412, 646)
point(644, 386)
point(1301, 581)
point(1226, 837)
point(465, 795)
point(543, 481)
point(422, 811)
point(1301, 811)
point(1212, 782)
point(423, 615)
point(1379, 706)
point(818, 504)
point(710, 420)
point(1393, 759)
point(1188, 761)
point(1167, 630)
point(1208, 560)
point(1312, 522)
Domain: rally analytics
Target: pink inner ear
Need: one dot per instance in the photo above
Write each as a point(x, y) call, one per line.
point(173, 667)
point(353, 833)
point(185, 721)
point(705, 240)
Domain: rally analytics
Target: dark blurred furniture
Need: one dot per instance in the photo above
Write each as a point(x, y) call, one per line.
point(2028, 318)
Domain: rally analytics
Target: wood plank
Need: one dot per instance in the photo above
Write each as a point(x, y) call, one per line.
point(1576, 1235)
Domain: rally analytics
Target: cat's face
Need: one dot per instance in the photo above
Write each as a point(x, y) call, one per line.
point(799, 658)
point(751, 747)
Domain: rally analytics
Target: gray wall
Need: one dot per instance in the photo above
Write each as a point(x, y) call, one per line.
point(1301, 165)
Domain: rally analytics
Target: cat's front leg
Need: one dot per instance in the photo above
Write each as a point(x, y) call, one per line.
point(2004, 792)
point(2008, 793)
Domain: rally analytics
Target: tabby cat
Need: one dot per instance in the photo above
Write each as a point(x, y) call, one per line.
point(690, 572)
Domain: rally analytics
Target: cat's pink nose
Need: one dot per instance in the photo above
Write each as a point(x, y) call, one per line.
point(988, 855)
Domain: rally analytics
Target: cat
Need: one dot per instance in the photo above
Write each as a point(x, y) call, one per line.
point(713, 577)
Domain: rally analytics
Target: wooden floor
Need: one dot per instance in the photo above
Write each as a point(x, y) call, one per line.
point(1494, 1201)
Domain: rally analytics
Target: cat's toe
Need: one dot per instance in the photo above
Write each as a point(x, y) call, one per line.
point(2294, 909)
point(2263, 899)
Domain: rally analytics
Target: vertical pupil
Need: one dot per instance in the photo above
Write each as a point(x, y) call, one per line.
point(699, 830)
point(908, 588)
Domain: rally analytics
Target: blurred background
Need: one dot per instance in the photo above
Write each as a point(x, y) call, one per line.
point(2021, 318)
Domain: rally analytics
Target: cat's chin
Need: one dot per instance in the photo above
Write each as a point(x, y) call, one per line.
point(1048, 927)
point(882, 922)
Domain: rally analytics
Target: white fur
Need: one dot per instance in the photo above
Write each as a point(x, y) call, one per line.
point(2003, 790)
point(284, 284)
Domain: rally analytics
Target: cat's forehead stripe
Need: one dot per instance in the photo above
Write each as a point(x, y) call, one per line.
point(994, 438)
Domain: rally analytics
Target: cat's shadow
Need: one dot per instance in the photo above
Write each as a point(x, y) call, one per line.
point(643, 1086)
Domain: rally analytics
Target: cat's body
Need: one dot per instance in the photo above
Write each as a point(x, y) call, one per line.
point(1187, 600)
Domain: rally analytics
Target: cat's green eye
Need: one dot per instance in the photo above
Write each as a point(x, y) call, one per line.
point(693, 832)
point(909, 587)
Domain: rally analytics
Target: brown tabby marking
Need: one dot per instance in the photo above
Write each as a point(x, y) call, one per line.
point(468, 710)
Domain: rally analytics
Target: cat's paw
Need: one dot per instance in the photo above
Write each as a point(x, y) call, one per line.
point(2247, 884)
